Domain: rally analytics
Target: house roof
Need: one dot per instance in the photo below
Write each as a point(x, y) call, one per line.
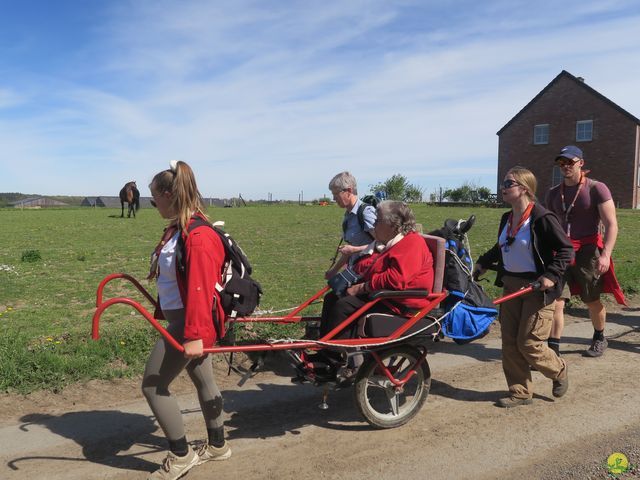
point(42, 201)
point(25, 200)
point(581, 83)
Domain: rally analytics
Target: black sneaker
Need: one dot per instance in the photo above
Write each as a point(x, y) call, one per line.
point(346, 376)
point(597, 348)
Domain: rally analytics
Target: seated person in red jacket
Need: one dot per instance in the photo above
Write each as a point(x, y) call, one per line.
point(402, 261)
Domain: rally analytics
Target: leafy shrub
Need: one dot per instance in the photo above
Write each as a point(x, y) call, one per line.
point(31, 256)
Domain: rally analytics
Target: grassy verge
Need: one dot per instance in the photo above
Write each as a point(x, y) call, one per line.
point(52, 261)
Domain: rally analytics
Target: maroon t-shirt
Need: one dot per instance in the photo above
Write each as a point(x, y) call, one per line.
point(584, 217)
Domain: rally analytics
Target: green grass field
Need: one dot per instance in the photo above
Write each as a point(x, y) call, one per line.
point(52, 261)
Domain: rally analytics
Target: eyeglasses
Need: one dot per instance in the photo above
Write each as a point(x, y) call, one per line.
point(153, 204)
point(506, 184)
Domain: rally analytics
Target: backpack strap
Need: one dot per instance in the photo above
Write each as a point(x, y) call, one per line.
point(360, 215)
point(181, 258)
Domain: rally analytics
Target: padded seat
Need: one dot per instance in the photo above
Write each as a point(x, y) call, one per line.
point(384, 324)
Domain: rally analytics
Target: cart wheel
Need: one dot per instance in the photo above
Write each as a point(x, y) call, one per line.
point(379, 401)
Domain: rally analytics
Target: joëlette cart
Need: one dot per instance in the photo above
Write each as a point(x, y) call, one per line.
point(394, 379)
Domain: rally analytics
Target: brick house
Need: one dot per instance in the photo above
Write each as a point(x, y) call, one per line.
point(570, 112)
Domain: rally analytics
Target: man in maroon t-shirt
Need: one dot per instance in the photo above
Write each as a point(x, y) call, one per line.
point(582, 204)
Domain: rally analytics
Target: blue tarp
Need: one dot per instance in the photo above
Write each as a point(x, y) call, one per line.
point(466, 322)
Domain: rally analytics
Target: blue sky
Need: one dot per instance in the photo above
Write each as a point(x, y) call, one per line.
point(276, 97)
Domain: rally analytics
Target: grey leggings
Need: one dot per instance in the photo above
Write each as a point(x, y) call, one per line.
point(163, 366)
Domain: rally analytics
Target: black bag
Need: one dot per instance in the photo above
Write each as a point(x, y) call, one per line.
point(469, 309)
point(239, 293)
point(343, 280)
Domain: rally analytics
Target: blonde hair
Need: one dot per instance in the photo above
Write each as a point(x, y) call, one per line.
point(180, 182)
point(526, 179)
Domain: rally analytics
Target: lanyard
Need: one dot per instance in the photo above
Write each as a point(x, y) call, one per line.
point(567, 210)
point(166, 236)
point(511, 232)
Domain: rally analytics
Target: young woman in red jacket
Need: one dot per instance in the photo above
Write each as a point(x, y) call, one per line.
point(187, 302)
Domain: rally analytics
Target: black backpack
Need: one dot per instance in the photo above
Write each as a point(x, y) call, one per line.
point(469, 309)
point(367, 201)
point(239, 293)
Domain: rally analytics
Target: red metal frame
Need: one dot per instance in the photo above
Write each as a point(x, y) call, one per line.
point(399, 382)
point(293, 317)
point(326, 341)
point(515, 294)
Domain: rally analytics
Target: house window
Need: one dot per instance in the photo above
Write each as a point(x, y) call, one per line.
point(584, 131)
point(556, 176)
point(541, 134)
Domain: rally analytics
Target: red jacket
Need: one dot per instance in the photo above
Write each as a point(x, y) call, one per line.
point(406, 265)
point(204, 258)
point(609, 280)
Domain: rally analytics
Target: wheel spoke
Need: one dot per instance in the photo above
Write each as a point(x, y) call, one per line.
point(394, 400)
point(378, 381)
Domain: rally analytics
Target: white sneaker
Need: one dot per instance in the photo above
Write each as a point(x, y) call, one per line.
point(208, 453)
point(174, 467)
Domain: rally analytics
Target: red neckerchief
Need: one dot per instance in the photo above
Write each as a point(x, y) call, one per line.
point(511, 233)
point(567, 210)
point(169, 232)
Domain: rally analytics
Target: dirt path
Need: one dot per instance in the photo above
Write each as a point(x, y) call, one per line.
point(276, 430)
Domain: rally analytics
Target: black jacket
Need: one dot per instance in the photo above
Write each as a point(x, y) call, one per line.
point(552, 250)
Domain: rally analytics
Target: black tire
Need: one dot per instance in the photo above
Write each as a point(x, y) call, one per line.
point(378, 401)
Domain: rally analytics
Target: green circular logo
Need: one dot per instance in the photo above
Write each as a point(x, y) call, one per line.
point(617, 463)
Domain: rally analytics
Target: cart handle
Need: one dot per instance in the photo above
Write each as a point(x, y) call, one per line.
point(533, 286)
point(136, 283)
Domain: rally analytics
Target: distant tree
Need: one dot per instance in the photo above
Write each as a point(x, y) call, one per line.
point(397, 187)
point(483, 194)
point(467, 192)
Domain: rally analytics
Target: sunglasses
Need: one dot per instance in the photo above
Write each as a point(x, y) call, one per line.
point(565, 162)
point(153, 203)
point(506, 184)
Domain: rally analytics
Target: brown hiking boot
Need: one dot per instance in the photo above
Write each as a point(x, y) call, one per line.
point(510, 402)
point(561, 385)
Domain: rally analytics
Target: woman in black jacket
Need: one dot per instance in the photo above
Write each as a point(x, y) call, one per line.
point(531, 247)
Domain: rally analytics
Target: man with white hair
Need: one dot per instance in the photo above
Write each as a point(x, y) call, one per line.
point(358, 223)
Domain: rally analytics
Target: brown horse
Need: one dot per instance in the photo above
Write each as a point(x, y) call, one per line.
point(130, 194)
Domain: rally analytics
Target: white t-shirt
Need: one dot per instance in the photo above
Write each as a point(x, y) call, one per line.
point(167, 282)
point(518, 257)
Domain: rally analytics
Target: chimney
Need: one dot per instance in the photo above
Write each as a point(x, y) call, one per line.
point(580, 79)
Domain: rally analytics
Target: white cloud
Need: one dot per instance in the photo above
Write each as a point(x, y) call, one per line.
point(261, 99)
point(9, 98)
